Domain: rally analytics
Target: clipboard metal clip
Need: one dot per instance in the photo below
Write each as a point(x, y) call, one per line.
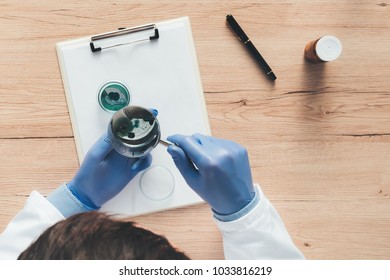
point(123, 31)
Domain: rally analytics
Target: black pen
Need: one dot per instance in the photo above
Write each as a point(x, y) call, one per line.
point(249, 46)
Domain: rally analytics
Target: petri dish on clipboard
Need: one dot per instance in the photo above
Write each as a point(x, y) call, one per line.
point(113, 96)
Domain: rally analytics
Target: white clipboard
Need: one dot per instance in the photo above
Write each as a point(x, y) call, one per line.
point(160, 73)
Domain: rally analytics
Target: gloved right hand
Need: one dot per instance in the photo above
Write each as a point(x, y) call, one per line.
point(216, 169)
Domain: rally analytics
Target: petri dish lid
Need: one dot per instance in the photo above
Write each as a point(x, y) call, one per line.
point(157, 183)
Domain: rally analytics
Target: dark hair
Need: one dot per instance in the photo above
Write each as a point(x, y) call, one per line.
point(97, 236)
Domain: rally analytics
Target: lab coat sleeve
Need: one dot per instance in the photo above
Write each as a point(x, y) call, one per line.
point(37, 215)
point(259, 234)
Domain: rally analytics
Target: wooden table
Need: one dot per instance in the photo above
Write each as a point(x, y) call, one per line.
point(318, 138)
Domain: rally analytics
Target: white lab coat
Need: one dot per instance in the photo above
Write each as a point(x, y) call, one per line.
point(260, 234)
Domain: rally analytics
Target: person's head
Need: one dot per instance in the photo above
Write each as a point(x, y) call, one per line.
point(97, 236)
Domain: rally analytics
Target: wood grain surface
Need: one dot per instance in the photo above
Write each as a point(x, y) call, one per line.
point(318, 138)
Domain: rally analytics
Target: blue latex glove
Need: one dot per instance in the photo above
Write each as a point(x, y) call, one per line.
point(221, 175)
point(104, 173)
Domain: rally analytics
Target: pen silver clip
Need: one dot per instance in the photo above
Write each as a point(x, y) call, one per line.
point(121, 32)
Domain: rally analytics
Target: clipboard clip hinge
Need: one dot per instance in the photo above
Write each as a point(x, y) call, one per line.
point(124, 31)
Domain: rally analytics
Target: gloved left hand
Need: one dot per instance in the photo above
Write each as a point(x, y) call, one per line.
point(104, 173)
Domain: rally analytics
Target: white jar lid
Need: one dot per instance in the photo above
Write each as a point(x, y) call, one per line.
point(328, 48)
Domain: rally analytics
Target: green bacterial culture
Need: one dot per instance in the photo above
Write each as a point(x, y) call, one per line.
point(113, 96)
